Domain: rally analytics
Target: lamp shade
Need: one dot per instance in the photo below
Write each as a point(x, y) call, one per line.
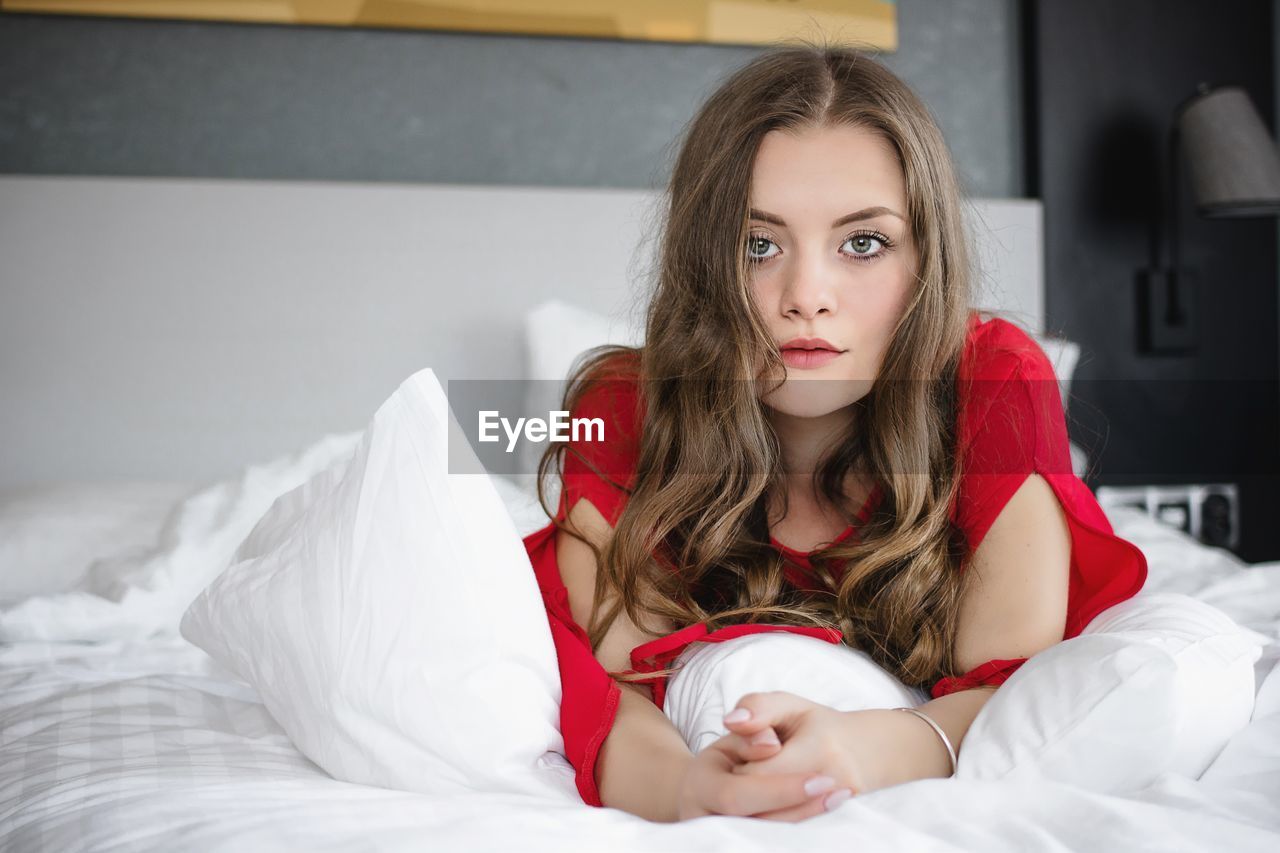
point(1232, 159)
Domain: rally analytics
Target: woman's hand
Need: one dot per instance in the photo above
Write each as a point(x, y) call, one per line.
point(861, 750)
point(713, 784)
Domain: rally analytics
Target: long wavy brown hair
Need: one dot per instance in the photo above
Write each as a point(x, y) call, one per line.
point(692, 543)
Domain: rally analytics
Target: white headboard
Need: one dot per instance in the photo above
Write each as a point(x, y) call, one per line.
point(165, 329)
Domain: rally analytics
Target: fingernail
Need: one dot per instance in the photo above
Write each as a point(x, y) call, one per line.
point(835, 798)
point(818, 784)
point(737, 715)
point(765, 738)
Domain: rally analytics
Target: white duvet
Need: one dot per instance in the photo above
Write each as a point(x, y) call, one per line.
point(146, 744)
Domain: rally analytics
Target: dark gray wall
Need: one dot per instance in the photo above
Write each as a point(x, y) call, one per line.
point(1104, 80)
point(121, 96)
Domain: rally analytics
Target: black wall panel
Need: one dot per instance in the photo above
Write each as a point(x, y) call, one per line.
point(1102, 81)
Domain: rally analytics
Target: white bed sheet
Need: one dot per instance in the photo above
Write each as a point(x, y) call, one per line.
point(146, 745)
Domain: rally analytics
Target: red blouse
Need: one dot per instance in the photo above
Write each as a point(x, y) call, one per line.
point(1010, 423)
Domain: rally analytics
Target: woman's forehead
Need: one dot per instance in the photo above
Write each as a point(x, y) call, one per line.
point(819, 175)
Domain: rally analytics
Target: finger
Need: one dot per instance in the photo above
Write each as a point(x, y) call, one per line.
point(820, 804)
point(742, 721)
point(741, 750)
point(793, 756)
point(749, 795)
point(776, 708)
point(767, 736)
point(773, 761)
point(754, 751)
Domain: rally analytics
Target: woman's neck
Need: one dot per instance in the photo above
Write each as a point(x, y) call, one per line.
point(804, 441)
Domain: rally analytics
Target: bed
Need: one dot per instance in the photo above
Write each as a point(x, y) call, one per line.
point(116, 733)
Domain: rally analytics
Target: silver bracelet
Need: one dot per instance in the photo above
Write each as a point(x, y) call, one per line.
point(946, 741)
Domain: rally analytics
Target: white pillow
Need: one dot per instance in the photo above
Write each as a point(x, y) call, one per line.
point(387, 613)
point(521, 500)
point(1063, 355)
point(138, 581)
point(556, 335)
point(142, 591)
point(203, 530)
point(50, 534)
point(1158, 683)
point(714, 676)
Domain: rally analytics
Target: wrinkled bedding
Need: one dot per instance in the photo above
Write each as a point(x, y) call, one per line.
point(146, 744)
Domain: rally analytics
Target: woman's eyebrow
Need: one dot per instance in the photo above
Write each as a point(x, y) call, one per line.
point(858, 216)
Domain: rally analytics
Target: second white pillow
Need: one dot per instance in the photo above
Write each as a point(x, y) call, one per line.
point(387, 613)
point(1158, 683)
point(714, 676)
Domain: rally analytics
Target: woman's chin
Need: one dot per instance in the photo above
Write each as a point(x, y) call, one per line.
point(805, 397)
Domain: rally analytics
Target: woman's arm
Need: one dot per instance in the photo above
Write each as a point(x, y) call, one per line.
point(644, 755)
point(922, 752)
point(1016, 606)
point(643, 766)
point(642, 760)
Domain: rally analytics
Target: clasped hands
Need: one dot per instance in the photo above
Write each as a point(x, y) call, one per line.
point(787, 758)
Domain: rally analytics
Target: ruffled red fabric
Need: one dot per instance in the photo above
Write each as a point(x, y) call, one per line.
point(991, 673)
point(1011, 424)
point(658, 654)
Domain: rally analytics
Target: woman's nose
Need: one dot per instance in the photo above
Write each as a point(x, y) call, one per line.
point(808, 294)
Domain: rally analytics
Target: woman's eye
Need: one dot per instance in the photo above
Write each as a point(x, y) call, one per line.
point(865, 245)
point(757, 243)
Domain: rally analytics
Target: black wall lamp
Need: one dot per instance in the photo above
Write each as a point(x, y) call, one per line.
point(1234, 171)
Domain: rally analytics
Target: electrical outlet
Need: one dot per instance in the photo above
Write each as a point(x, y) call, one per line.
point(1209, 512)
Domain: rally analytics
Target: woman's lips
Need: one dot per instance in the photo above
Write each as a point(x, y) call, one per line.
point(808, 359)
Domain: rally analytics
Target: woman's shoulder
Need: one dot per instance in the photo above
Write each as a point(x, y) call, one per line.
point(997, 350)
point(617, 362)
point(610, 391)
point(1010, 405)
point(601, 460)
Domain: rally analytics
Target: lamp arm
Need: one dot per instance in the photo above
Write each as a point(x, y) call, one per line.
point(1172, 215)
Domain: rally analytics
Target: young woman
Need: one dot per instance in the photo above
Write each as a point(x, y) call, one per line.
point(819, 436)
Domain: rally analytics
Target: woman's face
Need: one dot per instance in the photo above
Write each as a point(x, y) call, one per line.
point(831, 257)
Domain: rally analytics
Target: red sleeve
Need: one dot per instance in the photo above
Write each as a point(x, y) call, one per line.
point(989, 674)
point(1011, 425)
point(601, 467)
point(602, 470)
point(589, 697)
point(588, 701)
